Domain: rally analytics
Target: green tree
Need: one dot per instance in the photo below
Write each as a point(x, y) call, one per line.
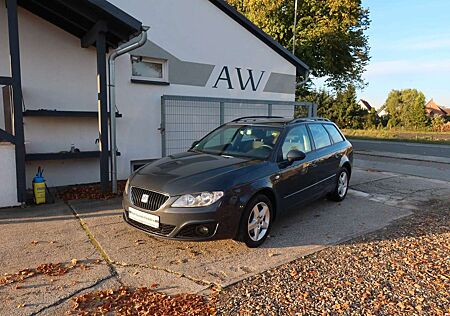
point(349, 113)
point(372, 119)
point(340, 107)
point(324, 101)
point(414, 109)
point(437, 122)
point(393, 106)
point(329, 35)
point(406, 108)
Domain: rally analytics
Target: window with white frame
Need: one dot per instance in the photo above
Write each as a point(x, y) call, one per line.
point(149, 69)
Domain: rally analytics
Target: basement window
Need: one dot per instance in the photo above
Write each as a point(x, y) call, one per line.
point(149, 70)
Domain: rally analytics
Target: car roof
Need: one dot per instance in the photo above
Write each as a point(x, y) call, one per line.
point(276, 120)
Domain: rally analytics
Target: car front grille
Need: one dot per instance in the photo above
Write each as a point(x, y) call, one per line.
point(155, 199)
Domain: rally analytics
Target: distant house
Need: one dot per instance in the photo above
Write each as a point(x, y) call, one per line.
point(434, 109)
point(382, 111)
point(365, 105)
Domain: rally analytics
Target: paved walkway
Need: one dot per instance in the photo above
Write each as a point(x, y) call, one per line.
point(109, 253)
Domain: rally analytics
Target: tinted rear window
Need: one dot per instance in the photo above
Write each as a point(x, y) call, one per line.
point(320, 136)
point(334, 133)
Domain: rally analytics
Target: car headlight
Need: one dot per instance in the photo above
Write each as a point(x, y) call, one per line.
point(198, 199)
point(127, 186)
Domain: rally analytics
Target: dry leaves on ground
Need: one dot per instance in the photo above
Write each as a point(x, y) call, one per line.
point(48, 269)
point(90, 192)
point(140, 301)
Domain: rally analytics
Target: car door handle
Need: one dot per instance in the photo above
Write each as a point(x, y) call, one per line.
point(313, 165)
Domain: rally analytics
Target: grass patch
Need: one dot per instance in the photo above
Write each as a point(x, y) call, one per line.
point(430, 137)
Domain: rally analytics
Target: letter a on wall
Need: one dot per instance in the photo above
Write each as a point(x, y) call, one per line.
point(224, 75)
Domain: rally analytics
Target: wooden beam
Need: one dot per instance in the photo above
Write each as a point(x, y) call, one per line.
point(6, 81)
point(5, 136)
point(92, 16)
point(90, 38)
point(14, 51)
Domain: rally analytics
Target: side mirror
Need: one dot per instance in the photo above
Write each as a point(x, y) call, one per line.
point(195, 143)
point(295, 155)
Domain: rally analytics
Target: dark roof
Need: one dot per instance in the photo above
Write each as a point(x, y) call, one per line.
point(433, 107)
point(80, 16)
point(302, 68)
point(367, 105)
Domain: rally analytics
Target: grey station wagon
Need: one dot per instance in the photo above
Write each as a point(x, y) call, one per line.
point(238, 179)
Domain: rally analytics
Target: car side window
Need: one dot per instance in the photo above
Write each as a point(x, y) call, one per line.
point(297, 138)
point(319, 135)
point(336, 136)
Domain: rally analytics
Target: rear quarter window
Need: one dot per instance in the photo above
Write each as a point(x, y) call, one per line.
point(336, 136)
point(319, 135)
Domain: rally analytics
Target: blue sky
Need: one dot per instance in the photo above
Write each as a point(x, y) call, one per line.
point(410, 48)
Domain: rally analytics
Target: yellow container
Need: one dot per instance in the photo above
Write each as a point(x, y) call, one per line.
point(39, 192)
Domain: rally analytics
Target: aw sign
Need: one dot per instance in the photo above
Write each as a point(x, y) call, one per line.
point(247, 79)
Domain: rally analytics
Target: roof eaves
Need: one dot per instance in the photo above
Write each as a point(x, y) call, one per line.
point(118, 14)
point(302, 68)
point(78, 17)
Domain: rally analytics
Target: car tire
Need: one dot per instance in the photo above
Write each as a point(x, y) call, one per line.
point(253, 231)
point(342, 181)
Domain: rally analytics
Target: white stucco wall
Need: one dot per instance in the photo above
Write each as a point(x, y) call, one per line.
point(8, 191)
point(58, 74)
point(195, 31)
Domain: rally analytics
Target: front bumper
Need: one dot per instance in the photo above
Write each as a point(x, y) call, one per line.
point(222, 220)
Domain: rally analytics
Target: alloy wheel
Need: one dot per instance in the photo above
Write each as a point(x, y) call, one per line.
point(258, 221)
point(342, 184)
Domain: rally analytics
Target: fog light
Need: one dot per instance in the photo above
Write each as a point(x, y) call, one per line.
point(202, 230)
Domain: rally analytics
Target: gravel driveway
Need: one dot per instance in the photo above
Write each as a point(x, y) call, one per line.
point(402, 269)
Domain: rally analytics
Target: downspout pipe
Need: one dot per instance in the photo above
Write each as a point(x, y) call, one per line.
point(112, 99)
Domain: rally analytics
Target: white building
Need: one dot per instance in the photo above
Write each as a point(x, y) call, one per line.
point(195, 49)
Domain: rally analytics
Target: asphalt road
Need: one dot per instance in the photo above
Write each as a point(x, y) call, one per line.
point(421, 160)
point(402, 148)
point(424, 169)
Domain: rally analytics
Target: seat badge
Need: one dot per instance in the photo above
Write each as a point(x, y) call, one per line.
point(144, 198)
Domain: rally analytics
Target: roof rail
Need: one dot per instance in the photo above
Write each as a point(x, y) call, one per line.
point(310, 119)
point(255, 117)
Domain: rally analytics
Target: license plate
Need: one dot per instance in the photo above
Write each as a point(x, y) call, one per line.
point(143, 218)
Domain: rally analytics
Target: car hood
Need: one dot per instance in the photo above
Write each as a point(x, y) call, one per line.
point(192, 172)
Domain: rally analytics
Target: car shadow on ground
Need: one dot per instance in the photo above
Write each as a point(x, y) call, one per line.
point(325, 222)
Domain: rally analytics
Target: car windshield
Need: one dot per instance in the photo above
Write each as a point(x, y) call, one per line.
point(240, 140)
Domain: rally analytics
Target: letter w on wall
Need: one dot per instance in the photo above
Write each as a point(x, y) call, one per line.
point(250, 79)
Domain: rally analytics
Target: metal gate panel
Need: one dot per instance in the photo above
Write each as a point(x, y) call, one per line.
point(186, 119)
point(285, 110)
point(235, 110)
